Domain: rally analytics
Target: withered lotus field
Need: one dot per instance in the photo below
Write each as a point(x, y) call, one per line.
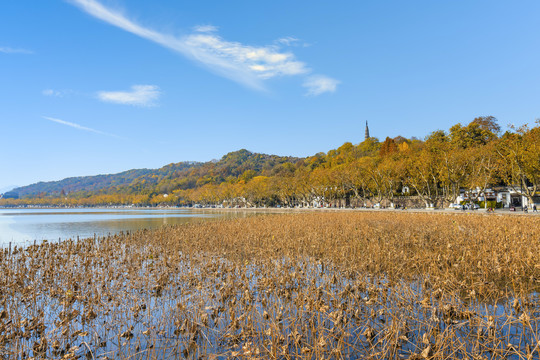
point(341, 285)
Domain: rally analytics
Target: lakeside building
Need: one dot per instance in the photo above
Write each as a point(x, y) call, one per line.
point(477, 195)
point(506, 195)
point(510, 197)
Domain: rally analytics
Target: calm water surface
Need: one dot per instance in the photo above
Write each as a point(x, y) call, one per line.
point(23, 226)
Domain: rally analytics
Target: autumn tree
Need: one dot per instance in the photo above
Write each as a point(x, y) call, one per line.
point(453, 163)
point(257, 191)
point(368, 147)
point(481, 170)
point(354, 179)
point(388, 147)
point(488, 123)
point(519, 160)
point(480, 131)
point(422, 174)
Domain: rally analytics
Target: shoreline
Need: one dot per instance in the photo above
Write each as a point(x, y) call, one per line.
point(282, 209)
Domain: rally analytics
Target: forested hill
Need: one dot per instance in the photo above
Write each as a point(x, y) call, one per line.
point(183, 175)
point(92, 183)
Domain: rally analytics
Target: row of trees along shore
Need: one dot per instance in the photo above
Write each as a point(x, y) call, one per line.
point(471, 157)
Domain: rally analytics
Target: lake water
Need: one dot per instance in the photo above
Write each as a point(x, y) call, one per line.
point(23, 226)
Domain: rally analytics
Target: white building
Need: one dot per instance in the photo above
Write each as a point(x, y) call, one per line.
point(477, 195)
point(509, 197)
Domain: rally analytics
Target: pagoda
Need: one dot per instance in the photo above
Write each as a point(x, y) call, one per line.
point(367, 131)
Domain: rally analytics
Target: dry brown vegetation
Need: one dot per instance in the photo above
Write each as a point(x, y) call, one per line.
point(306, 285)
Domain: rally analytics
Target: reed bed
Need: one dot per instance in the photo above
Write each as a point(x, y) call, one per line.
point(287, 286)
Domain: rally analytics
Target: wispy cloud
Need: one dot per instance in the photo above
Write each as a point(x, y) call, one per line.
point(245, 64)
point(288, 40)
point(77, 126)
point(251, 62)
point(56, 93)
point(291, 41)
point(205, 28)
point(319, 84)
point(9, 50)
point(140, 95)
point(51, 92)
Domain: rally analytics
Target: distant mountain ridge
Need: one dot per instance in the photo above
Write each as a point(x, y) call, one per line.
point(187, 174)
point(95, 182)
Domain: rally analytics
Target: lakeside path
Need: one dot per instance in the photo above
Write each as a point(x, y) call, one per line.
point(304, 209)
point(499, 212)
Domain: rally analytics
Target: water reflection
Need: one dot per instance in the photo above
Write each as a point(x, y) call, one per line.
point(21, 226)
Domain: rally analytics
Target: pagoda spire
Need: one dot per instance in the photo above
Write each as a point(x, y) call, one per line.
point(367, 131)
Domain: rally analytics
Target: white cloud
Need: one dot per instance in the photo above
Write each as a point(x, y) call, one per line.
point(77, 126)
point(288, 41)
point(291, 41)
point(319, 84)
point(255, 62)
point(56, 93)
point(50, 92)
point(140, 95)
point(8, 50)
point(248, 65)
point(205, 28)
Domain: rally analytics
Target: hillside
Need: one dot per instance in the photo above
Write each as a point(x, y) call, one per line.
point(93, 183)
point(183, 175)
point(80, 183)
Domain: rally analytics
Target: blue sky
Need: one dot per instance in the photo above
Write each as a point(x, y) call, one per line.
point(101, 86)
